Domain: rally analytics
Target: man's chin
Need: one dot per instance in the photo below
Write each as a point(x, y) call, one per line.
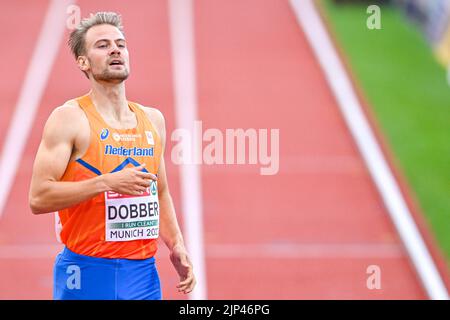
point(112, 76)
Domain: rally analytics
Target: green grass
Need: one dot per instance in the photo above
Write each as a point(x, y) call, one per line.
point(410, 97)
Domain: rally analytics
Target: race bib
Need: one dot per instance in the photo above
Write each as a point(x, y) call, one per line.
point(132, 217)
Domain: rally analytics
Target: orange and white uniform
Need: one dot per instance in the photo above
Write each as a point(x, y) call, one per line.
point(112, 225)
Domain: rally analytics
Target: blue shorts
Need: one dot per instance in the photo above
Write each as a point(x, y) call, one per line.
point(79, 277)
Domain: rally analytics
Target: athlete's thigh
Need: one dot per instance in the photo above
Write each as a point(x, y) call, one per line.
point(139, 281)
point(81, 280)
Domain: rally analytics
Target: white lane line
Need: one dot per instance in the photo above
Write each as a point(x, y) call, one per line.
point(305, 251)
point(307, 164)
point(341, 86)
point(242, 250)
point(36, 78)
point(184, 76)
point(29, 251)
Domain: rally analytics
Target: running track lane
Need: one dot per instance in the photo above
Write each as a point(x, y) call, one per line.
point(15, 60)
point(27, 243)
point(308, 232)
point(312, 230)
point(18, 278)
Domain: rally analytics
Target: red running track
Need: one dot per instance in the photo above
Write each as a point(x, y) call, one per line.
point(308, 232)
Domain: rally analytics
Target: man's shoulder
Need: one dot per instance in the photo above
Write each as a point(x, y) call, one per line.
point(153, 112)
point(155, 116)
point(69, 109)
point(68, 116)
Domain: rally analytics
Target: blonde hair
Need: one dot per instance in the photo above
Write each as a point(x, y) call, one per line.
point(77, 36)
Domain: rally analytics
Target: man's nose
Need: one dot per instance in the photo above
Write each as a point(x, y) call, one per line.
point(114, 50)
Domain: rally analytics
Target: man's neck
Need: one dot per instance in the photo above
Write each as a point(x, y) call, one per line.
point(110, 99)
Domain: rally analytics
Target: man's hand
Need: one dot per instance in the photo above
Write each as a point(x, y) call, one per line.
point(183, 266)
point(131, 181)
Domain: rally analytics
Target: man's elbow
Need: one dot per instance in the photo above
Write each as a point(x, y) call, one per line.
point(37, 205)
point(39, 199)
point(34, 205)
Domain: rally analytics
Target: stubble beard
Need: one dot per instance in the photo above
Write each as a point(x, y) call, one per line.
point(112, 76)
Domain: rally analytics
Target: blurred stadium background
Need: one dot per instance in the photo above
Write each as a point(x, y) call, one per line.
point(311, 231)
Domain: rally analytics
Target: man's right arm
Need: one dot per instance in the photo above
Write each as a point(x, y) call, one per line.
point(47, 193)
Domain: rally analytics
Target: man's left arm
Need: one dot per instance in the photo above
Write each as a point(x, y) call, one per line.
point(169, 229)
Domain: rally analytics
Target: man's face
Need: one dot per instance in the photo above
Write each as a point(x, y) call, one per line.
point(106, 54)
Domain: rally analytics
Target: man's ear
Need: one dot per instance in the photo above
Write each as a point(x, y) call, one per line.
point(83, 63)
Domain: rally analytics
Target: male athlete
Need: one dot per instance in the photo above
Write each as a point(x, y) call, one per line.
point(100, 164)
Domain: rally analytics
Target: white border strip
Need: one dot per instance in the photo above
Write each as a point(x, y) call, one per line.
point(304, 251)
point(256, 251)
point(29, 251)
point(36, 78)
point(341, 86)
point(183, 61)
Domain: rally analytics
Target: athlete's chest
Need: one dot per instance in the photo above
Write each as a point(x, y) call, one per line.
point(126, 123)
point(111, 139)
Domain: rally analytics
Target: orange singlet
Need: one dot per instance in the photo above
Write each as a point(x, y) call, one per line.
point(112, 225)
